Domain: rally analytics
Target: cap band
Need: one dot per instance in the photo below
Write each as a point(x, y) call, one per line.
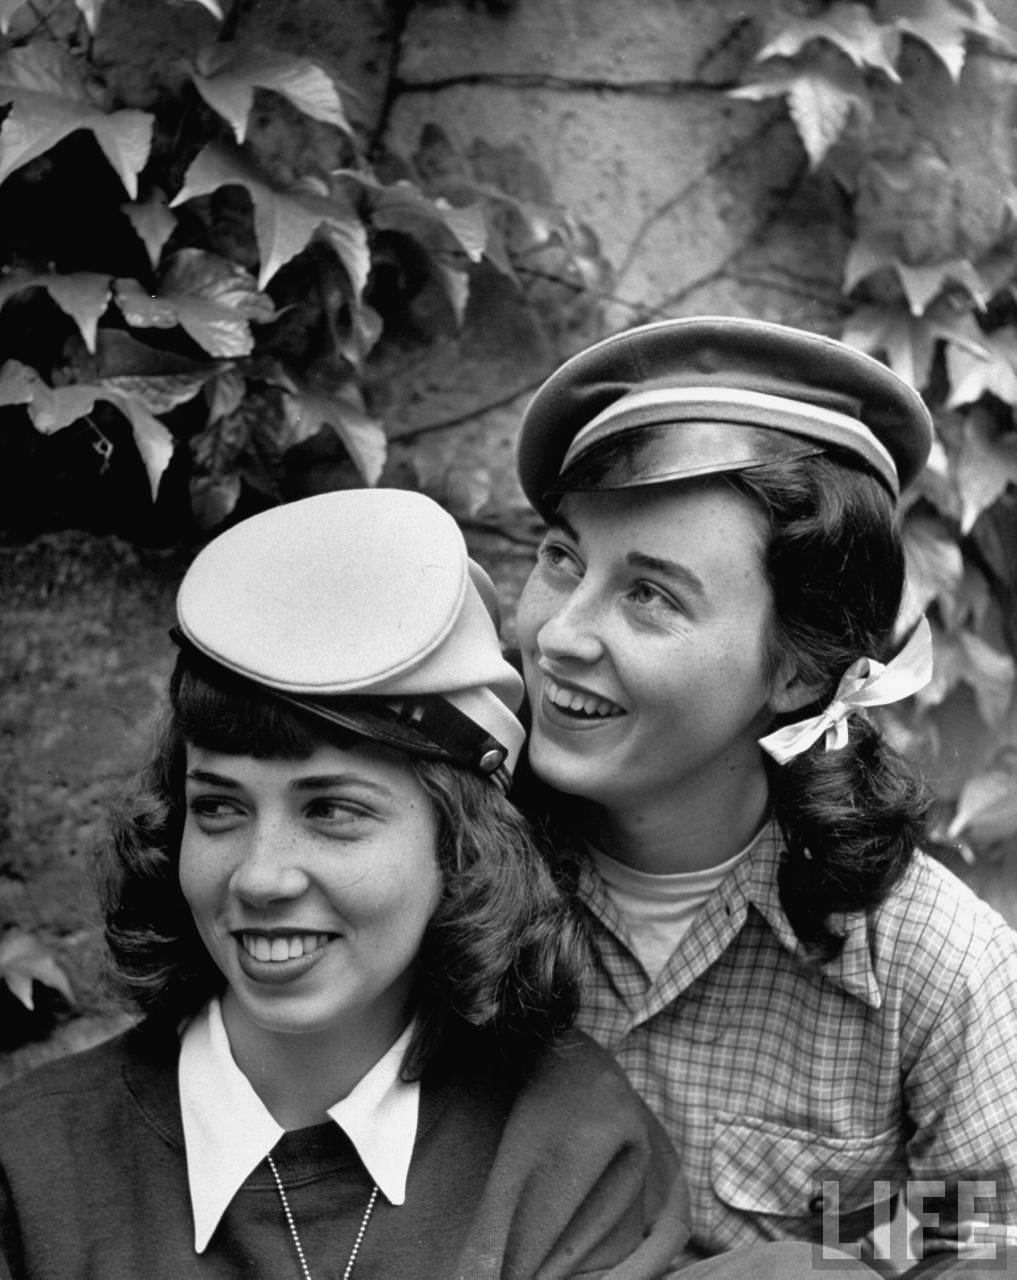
point(485, 709)
point(429, 725)
point(722, 429)
point(675, 451)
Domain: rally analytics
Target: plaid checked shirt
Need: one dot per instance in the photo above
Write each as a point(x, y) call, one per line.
point(772, 1074)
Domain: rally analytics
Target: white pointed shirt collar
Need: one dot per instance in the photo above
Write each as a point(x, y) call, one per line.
point(228, 1131)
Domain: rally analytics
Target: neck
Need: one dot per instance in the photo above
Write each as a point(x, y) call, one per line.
point(298, 1077)
point(690, 828)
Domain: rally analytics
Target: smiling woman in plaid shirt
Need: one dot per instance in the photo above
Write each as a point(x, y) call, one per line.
point(823, 1017)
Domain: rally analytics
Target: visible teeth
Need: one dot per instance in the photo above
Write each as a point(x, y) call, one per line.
point(580, 703)
point(281, 946)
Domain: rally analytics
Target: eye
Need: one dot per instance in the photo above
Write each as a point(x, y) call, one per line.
point(557, 557)
point(328, 811)
point(215, 813)
point(648, 595)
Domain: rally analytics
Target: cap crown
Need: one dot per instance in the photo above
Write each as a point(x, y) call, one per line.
point(366, 593)
point(715, 380)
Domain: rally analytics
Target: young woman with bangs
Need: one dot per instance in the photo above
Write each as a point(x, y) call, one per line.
point(355, 970)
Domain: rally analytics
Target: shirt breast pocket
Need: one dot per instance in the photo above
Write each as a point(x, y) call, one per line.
point(796, 1182)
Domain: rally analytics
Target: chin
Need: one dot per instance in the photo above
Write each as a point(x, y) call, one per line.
point(564, 772)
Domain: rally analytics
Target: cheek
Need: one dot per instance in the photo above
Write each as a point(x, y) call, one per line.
point(196, 874)
point(396, 921)
point(187, 872)
point(407, 881)
point(426, 896)
point(421, 891)
point(535, 606)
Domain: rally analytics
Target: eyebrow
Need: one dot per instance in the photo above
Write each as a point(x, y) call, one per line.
point(642, 560)
point(313, 782)
point(323, 781)
point(211, 779)
point(669, 568)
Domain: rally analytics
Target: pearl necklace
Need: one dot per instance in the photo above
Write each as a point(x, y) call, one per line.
point(304, 1269)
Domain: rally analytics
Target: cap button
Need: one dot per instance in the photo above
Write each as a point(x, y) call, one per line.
point(491, 760)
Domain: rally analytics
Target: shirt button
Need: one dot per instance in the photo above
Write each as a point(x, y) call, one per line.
point(816, 1203)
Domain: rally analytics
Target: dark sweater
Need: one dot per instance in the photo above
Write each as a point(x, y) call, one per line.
point(567, 1175)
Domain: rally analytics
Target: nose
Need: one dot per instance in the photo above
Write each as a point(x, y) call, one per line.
point(571, 631)
point(267, 870)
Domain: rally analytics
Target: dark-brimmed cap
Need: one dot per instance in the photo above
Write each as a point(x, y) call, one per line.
point(361, 608)
point(704, 395)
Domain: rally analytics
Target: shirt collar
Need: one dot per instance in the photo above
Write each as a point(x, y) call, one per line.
point(753, 881)
point(228, 1131)
point(851, 969)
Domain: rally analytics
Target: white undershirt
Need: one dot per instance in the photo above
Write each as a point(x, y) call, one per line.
point(659, 909)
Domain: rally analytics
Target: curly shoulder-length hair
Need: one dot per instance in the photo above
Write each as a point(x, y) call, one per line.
point(833, 558)
point(852, 818)
point(501, 956)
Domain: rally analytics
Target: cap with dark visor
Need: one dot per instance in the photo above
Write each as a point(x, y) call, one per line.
point(683, 398)
point(363, 610)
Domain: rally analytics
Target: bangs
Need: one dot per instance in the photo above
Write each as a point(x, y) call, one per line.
point(223, 713)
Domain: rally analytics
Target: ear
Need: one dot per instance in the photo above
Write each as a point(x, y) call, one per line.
point(791, 691)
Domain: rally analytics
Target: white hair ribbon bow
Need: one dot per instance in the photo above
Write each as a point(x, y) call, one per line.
point(866, 683)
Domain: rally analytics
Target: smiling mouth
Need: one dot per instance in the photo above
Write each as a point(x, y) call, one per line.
point(278, 947)
point(584, 706)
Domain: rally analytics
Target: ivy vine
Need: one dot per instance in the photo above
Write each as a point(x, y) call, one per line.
point(948, 325)
point(221, 309)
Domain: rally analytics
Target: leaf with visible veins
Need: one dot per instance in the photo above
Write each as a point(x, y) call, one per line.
point(83, 295)
point(986, 466)
point(821, 96)
point(24, 960)
point(921, 284)
point(987, 806)
point(849, 28)
point(51, 99)
point(993, 370)
point(211, 298)
point(343, 410)
point(909, 341)
point(227, 83)
point(943, 26)
point(138, 398)
point(284, 223)
point(153, 222)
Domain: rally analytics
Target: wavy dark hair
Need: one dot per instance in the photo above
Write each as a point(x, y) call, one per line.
point(852, 818)
point(501, 956)
point(834, 559)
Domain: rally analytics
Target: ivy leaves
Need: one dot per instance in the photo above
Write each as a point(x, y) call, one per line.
point(824, 66)
point(272, 367)
point(53, 98)
point(275, 279)
point(284, 222)
point(142, 382)
point(227, 79)
point(946, 323)
point(89, 10)
point(24, 961)
point(212, 299)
